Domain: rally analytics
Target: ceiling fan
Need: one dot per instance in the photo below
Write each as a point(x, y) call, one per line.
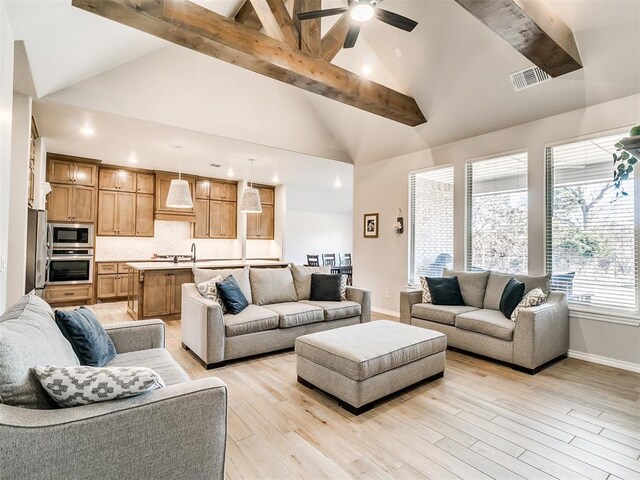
point(362, 11)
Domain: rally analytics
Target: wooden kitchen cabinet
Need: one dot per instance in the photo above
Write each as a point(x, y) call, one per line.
point(117, 213)
point(163, 212)
point(62, 170)
point(217, 217)
point(71, 203)
point(106, 287)
point(145, 183)
point(62, 295)
point(261, 226)
point(201, 226)
point(179, 277)
point(158, 293)
point(112, 280)
point(222, 219)
point(144, 215)
point(220, 190)
point(202, 188)
point(119, 180)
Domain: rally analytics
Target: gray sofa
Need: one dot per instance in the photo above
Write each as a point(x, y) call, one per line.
point(175, 432)
point(538, 336)
point(279, 312)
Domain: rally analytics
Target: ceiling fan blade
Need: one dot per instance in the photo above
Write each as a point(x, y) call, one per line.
point(321, 13)
point(352, 36)
point(395, 20)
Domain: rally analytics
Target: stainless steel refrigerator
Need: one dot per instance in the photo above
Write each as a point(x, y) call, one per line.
point(37, 251)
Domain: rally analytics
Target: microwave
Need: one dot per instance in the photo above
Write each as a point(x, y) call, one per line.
point(67, 235)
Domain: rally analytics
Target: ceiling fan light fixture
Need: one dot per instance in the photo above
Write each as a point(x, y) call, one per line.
point(362, 12)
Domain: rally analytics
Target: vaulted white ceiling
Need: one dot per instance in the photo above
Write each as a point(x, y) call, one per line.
point(455, 68)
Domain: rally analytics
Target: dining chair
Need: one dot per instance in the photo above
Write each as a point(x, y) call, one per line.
point(329, 259)
point(313, 260)
point(346, 259)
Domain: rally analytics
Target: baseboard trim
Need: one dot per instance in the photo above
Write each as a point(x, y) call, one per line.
point(384, 311)
point(609, 362)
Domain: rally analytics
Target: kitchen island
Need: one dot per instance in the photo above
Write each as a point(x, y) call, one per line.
point(155, 288)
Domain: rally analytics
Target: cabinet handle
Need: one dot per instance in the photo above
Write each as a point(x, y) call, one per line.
point(68, 294)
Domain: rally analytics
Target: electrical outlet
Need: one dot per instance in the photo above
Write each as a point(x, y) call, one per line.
point(386, 294)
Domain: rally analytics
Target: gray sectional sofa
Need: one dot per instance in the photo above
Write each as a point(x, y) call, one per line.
point(279, 311)
point(175, 432)
point(538, 336)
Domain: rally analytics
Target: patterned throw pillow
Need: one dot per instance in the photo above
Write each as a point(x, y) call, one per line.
point(209, 290)
point(73, 386)
point(343, 287)
point(532, 299)
point(426, 294)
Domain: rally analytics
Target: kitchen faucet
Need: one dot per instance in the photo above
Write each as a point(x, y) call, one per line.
point(193, 252)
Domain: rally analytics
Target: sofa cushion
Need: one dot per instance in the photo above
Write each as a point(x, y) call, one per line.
point(292, 314)
point(28, 337)
point(534, 281)
point(251, 319)
point(241, 275)
point(157, 359)
point(302, 279)
point(337, 310)
point(88, 338)
point(367, 349)
point(473, 285)
point(272, 285)
point(495, 287)
point(487, 322)
point(439, 313)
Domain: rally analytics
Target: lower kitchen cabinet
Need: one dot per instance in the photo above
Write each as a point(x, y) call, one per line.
point(112, 281)
point(62, 295)
point(156, 293)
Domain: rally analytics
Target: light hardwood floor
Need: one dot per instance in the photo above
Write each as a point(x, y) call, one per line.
point(575, 420)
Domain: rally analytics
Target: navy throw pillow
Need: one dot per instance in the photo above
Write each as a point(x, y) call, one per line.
point(445, 291)
point(89, 340)
point(325, 287)
point(511, 296)
point(231, 295)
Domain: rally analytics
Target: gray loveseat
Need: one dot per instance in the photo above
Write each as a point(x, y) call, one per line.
point(175, 432)
point(279, 311)
point(538, 336)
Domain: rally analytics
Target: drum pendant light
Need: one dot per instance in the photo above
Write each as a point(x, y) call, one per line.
point(251, 196)
point(179, 193)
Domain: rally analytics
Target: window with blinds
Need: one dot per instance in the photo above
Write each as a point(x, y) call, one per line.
point(591, 242)
point(497, 236)
point(430, 223)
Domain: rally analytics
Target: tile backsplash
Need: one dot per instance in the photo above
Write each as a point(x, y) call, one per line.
point(171, 238)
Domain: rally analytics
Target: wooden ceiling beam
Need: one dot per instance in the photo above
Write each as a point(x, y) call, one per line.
point(333, 40)
point(532, 29)
point(310, 30)
point(197, 28)
point(248, 17)
point(276, 21)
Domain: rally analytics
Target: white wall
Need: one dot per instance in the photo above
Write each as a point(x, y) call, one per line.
point(381, 264)
point(6, 101)
point(19, 191)
point(318, 220)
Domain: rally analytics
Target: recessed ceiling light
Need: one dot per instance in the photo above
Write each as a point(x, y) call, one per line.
point(87, 131)
point(133, 158)
point(337, 183)
point(230, 172)
point(398, 52)
point(275, 178)
point(366, 70)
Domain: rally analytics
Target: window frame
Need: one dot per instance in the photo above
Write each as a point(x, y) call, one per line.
point(580, 311)
point(410, 217)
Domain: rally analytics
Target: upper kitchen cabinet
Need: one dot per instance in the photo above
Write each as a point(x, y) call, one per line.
point(163, 212)
point(261, 226)
point(215, 208)
point(145, 183)
point(71, 170)
point(117, 180)
point(227, 191)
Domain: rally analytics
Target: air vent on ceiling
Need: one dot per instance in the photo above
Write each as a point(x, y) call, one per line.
point(215, 165)
point(528, 78)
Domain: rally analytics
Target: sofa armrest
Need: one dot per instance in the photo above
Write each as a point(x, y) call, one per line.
point(363, 297)
point(137, 335)
point(408, 298)
point(175, 432)
point(202, 325)
point(542, 332)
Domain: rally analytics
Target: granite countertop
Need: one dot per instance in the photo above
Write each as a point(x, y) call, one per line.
point(155, 265)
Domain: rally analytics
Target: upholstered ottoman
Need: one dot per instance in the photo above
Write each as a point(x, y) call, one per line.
point(363, 363)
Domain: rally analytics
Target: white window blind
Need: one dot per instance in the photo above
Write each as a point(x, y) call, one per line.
point(497, 214)
point(430, 223)
point(591, 242)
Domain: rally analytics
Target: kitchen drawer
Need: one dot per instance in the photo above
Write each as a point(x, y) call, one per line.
point(68, 293)
point(122, 268)
point(107, 268)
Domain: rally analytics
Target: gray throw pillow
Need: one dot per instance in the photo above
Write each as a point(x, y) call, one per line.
point(302, 279)
point(473, 285)
point(272, 285)
point(74, 386)
point(28, 337)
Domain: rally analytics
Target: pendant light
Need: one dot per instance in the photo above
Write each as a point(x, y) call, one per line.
point(251, 196)
point(179, 193)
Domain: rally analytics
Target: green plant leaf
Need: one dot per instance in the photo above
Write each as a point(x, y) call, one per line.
point(633, 161)
point(618, 145)
point(635, 131)
point(625, 155)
